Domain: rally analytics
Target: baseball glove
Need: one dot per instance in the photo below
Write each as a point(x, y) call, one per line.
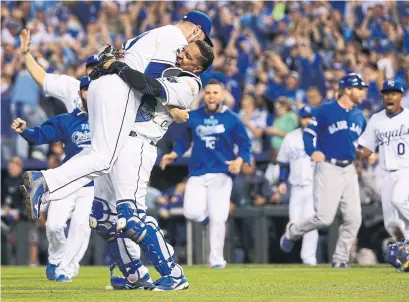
point(108, 53)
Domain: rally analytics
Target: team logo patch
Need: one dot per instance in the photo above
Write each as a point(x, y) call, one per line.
point(172, 79)
point(79, 137)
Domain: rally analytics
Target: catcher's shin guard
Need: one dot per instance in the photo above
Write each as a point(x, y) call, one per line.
point(391, 254)
point(102, 219)
point(131, 221)
point(125, 257)
point(157, 250)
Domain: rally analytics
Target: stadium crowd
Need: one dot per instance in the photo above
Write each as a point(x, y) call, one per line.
point(272, 57)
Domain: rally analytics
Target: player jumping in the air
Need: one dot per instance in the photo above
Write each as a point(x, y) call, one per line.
point(65, 88)
point(388, 130)
point(297, 168)
point(214, 130)
point(112, 107)
point(336, 127)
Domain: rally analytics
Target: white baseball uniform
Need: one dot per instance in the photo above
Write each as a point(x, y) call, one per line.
point(301, 206)
point(391, 136)
point(67, 252)
point(112, 107)
point(136, 160)
point(64, 88)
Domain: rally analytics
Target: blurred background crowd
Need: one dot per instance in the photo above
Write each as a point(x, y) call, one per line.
point(272, 57)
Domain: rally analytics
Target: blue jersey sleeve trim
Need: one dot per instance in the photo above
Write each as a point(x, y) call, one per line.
point(165, 92)
point(310, 131)
point(155, 69)
point(284, 171)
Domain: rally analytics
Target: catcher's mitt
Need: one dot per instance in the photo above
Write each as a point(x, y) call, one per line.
point(108, 53)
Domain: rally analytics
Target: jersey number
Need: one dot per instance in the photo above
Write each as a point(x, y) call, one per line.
point(401, 148)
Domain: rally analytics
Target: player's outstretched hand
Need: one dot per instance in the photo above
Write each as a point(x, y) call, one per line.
point(235, 165)
point(180, 116)
point(18, 125)
point(25, 41)
point(167, 159)
point(318, 156)
point(282, 189)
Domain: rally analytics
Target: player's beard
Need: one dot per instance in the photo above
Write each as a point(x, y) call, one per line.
point(217, 108)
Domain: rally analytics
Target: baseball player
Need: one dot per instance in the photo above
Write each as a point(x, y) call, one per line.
point(65, 88)
point(336, 128)
point(297, 168)
point(388, 130)
point(112, 107)
point(177, 87)
point(64, 254)
point(215, 130)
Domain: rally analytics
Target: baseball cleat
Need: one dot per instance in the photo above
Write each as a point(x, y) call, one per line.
point(63, 278)
point(218, 266)
point(169, 283)
point(50, 271)
point(122, 283)
point(286, 243)
point(340, 264)
point(33, 189)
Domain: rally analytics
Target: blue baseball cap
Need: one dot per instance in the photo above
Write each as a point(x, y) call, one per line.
point(202, 20)
point(92, 61)
point(306, 111)
point(352, 80)
point(392, 85)
point(84, 82)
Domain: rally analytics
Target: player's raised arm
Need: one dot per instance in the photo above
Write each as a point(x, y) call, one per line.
point(35, 70)
point(62, 87)
point(48, 132)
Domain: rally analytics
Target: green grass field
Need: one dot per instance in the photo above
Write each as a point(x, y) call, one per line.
point(235, 283)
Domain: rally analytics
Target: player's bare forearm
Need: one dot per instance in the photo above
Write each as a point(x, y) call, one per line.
point(179, 115)
point(168, 159)
point(36, 71)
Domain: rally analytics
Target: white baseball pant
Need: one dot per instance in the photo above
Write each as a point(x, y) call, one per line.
point(302, 207)
point(395, 201)
point(132, 170)
point(67, 252)
point(208, 196)
point(334, 187)
point(112, 108)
